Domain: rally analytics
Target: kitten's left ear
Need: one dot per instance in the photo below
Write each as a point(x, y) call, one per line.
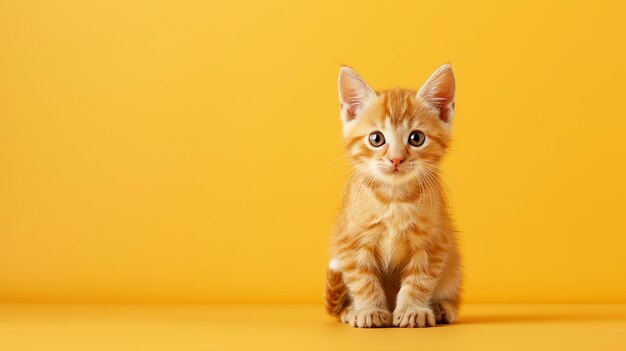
point(438, 91)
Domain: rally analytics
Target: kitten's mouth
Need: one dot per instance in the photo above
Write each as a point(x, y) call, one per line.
point(394, 171)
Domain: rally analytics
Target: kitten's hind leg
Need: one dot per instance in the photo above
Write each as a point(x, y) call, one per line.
point(446, 297)
point(445, 312)
point(347, 314)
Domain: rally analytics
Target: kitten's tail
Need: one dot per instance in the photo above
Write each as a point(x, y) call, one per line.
point(336, 296)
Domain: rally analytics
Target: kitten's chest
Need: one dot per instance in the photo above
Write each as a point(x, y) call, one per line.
point(398, 220)
point(397, 216)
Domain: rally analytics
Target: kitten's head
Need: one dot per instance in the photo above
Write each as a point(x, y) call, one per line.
point(398, 135)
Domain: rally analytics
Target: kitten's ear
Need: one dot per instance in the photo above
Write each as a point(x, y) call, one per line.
point(353, 93)
point(438, 91)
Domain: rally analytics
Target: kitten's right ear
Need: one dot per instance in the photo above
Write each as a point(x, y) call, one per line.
point(353, 93)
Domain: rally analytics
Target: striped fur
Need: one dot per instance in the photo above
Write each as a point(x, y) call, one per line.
point(336, 296)
point(395, 256)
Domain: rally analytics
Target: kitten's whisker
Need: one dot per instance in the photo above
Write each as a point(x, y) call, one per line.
point(431, 193)
point(448, 185)
point(344, 156)
point(434, 175)
point(421, 196)
point(330, 169)
point(434, 180)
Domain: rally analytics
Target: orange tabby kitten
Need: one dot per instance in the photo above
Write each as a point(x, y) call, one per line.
point(395, 257)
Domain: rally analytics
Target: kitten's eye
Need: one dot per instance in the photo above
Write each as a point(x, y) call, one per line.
point(417, 138)
point(377, 139)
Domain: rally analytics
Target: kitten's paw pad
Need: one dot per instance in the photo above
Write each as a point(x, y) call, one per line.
point(414, 317)
point(445, 312)
point(371, 318)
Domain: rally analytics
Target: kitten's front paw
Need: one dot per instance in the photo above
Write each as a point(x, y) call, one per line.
point(367, 318)
point(414, 317)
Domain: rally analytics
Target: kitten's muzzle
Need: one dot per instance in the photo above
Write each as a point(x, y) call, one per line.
point(395, 162)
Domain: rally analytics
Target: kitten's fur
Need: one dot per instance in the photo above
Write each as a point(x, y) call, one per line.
point(395, 257)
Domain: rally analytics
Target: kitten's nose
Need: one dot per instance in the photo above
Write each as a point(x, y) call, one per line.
point(396, 161)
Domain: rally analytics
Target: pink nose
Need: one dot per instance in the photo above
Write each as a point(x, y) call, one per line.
point(396, 161)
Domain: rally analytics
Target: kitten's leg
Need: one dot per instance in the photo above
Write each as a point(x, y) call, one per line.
point(446, 296)
point(369, 305)
point(445, 311)
point(418, 280)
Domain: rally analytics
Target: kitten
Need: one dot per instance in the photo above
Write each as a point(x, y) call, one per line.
point(395, 257)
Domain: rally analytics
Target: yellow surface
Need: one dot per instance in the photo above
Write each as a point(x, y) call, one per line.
point(187, 151)
point(303, 327)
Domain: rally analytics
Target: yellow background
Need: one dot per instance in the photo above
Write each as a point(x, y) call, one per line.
point(186, 151)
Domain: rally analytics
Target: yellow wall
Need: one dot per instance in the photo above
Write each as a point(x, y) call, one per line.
point(186, 151)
